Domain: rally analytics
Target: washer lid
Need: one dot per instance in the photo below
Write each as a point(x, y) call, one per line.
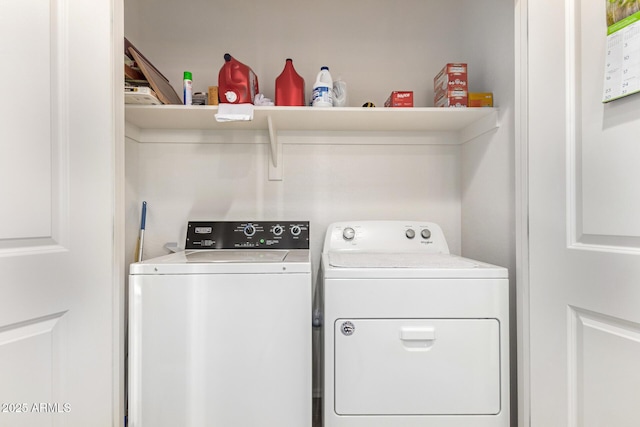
point(244, 255)
point(379, 265)
point(227, 261)
point(397, 260)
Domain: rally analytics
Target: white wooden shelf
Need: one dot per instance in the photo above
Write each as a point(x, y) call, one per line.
point(178, 123)
point(314, 119)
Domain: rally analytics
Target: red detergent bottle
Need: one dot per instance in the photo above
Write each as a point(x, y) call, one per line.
point(237, 83)
point(289, 86)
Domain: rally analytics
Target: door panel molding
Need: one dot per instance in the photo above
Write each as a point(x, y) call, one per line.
point(30, 352)
point(577, 207)
point(573, 79)
point(602, 391)
point(27, 328)
point(44, 228)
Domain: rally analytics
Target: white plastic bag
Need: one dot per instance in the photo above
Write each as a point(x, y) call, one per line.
point(340, 93)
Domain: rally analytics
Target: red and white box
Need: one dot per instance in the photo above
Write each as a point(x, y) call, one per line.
point(453, 98)
point(400, 99)
point(452, 77)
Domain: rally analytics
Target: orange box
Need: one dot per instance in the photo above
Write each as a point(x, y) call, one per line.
point(480, 99)
point(400, 99)
point(213, 95)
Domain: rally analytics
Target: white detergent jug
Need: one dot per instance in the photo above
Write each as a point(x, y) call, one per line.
point(322, 95)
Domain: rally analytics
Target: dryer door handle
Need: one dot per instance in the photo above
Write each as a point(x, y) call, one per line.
point(417, 334)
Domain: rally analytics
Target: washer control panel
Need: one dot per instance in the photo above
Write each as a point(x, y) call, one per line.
point(247, 235)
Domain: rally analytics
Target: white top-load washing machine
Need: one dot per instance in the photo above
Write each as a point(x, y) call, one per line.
point(220, 334)
point(412, 335)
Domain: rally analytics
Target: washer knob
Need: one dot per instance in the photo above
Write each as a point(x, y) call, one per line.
point(348, 233)
point(277, 230)
point(295, 230)
point(249, 230)
point(410, 233)
point(425, 233)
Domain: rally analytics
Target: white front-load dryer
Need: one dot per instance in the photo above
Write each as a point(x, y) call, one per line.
point(220, 334)
point(412, 335)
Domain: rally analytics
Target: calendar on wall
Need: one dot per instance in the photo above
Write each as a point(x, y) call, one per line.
point(622, 59)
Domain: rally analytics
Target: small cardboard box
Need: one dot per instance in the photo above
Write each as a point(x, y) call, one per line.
point(480, 99)
point(453, 98)
point(453, 76)
point(213, 95)
point(140, 95)
point(452, 94)
point(400, 99)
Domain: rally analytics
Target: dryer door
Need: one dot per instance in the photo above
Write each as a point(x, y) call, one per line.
point(417, 366)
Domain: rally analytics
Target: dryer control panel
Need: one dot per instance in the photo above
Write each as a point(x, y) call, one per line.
point(386, 237)
point(247, 235)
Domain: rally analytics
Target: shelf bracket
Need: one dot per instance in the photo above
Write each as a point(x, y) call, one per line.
point(275, 151)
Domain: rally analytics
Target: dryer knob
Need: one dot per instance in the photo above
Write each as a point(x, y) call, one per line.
point(295, 230)
point(425, 233)
point(348, 233)
point(410, 233)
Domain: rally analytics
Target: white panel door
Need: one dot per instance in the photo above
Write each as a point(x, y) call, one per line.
point(59, 290)
point(584, 230)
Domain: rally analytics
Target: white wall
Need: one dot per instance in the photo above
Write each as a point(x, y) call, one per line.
point(488, 162)
point(322, 184)
point(488, 174)
point(132, 30)
point(133, 202)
